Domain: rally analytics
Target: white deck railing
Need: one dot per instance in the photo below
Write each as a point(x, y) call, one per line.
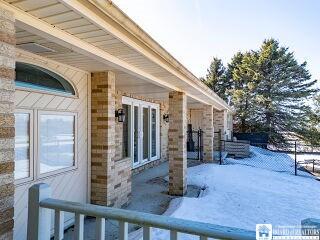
point(41, 205)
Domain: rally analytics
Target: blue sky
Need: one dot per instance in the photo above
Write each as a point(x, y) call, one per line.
point(194, 31)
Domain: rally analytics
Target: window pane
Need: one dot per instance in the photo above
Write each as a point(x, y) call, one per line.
point(32, 76)
point(136, 134)
point(22, 145)
point(145, 133)
point(57, 142)
point(153, 132)
point(126, 131)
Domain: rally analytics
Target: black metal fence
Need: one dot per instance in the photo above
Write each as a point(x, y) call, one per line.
point(294, 157)
point(195, 144)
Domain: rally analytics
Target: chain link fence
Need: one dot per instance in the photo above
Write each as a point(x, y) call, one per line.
point(293, 157)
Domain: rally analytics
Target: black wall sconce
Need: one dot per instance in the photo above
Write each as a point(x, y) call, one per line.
point(120, 115)
point(166, 118)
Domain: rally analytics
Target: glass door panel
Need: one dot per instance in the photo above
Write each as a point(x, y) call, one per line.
point(153, 132)
point(145, 134)
point(126, 131)
point(136, 134)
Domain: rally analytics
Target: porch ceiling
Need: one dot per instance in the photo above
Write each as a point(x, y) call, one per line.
point(99, 43)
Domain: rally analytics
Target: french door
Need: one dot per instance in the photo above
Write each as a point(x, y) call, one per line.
point(144, 131)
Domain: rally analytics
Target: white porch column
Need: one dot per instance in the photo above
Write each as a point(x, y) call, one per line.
point(208, 133)
point(177, 143)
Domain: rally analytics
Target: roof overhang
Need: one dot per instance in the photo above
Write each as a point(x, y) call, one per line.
point(110, 18)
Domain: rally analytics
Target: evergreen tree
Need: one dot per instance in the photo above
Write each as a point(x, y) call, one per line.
point(242, 89)
point(283, 87)
point(269, 91)
point(216, 78)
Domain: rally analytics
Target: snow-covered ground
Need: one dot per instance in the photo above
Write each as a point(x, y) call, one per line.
point(274, 161)
point(242, 196)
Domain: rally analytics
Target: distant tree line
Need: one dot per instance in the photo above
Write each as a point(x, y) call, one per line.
point(270, 92)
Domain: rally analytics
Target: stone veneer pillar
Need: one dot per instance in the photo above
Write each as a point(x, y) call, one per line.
point(208, 133)
point(102, 137)
point(7, 128)
point(177, 143)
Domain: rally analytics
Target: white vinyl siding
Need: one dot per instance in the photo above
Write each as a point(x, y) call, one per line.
point(72, 183)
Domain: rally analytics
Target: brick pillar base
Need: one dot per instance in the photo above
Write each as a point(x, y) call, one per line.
point(208, 133)
point(177, 143)
point(7, 128)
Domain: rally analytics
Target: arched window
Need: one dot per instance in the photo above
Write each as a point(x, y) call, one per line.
point(35, 77)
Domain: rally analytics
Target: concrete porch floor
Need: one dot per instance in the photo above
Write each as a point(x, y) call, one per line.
point(149, 194)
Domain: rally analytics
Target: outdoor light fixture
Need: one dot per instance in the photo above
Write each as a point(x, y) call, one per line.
point(166, 118)
point(120, 115)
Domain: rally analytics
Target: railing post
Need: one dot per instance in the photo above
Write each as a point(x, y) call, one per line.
point(100, 228)
point(58, 224)
point(147, 232)
point(39, 219)
point(123, 231)
point(173, 235)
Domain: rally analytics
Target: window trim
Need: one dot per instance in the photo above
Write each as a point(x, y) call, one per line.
point(37, 146)
point(31, 147)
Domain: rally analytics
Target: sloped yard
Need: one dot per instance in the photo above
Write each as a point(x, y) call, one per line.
point(241, 196)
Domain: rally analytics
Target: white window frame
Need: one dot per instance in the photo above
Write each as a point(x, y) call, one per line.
point(37, 146)
point(31, 146)
point(135, 102)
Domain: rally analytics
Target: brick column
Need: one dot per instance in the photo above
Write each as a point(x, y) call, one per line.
point(219, 123)
point(7, 129)
point(177, 143)
point(102, 137)
point(208, 132)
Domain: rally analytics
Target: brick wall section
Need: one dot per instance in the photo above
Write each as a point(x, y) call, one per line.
point(121, 192)
point(164, 129)
point(177, 143)
point(7, 129)
point(208, 133)
point(219, 123)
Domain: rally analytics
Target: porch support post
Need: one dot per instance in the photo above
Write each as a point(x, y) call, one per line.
point(220, 124)
point(208, 133)
point(102, 137)
point(7, 127)
point(177, 143)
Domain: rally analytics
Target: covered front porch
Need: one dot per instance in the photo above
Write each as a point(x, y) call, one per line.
point(128, 105)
